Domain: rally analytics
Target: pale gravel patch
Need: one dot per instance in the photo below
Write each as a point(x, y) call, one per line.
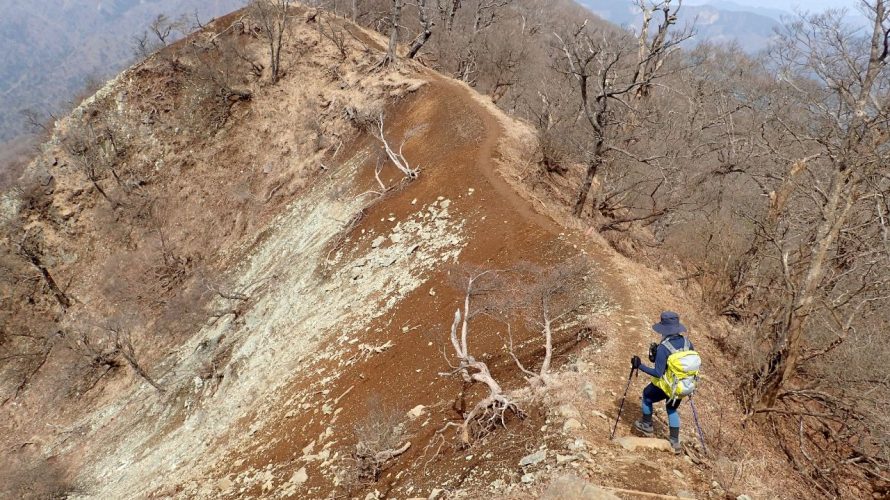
point(139, 442)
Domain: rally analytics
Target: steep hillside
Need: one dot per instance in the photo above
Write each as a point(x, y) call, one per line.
point(251, 296)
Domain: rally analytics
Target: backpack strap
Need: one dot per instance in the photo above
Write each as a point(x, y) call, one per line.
point(670, 347)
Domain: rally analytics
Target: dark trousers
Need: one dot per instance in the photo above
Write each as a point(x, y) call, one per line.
point(651, 395)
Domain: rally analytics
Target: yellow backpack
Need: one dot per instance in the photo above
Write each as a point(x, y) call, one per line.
point(681, 373)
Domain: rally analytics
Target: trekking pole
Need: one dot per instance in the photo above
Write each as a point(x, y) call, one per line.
point(621, 406)
point(701, 436)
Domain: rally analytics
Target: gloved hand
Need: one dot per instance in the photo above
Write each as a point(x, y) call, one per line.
point(635, 362)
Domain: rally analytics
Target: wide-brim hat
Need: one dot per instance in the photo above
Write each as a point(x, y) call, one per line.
point(669, 324)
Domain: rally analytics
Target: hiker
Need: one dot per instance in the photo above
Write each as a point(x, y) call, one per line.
point(671, 381)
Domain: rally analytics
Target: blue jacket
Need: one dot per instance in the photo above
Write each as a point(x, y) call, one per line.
point(661, 356)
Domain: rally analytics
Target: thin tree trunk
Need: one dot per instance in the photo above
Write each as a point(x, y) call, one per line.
point(784, 363)
point(548, 347)
point(60, 296)
point(592, 168)
point(424, 35)
point(392, 50)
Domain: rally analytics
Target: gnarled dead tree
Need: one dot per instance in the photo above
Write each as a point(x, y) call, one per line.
point(492, 410)
point(608, 76)
point(396, 157)
point(107, 347)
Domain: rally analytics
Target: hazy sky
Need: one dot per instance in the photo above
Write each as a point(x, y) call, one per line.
point(789, 5)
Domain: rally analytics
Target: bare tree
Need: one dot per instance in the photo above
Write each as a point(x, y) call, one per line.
point(272, 17)
point(841, 162)
point(337, 35)
point(396, 157)
point(491, 411)
point(217, 81)
point(95, 149)
point(548, 299)
point(104, 346)
point(607, 76)
point(426, 30)
point(380, 438)
point(29, 244)
point(395, 21)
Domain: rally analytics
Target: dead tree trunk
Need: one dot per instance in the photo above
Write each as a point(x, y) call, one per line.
point(396, 20)
point(125, 348)
point(426, 27)
point(851, 155)
point(491, 411)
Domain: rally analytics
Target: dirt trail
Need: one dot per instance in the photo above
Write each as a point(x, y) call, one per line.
point(627, 325)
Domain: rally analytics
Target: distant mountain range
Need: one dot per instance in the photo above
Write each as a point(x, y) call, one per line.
point(752, 26)
point(51, 48)
point(719, 21)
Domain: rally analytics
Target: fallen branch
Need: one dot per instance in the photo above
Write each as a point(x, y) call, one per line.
point(397, 158)
point(490, 412)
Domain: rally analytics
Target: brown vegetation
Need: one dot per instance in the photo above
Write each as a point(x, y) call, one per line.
point(767, 179)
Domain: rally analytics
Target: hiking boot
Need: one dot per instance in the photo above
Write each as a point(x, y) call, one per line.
point(644, 427)
point(676, 446)
point(675, 440)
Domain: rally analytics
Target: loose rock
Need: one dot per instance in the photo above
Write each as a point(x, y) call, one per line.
point(300, 476)
point(533, 459)
point(416, 412)
point(572, 425)
point(574, 488)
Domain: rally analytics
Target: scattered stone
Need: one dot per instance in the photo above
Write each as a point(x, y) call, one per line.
point(498, 484)
point(432, 292)
point(445, 204)
point(572, 424)
point(743, 497)
point(300, 476)
point(533, 459)
point(377, 241)
point(435, 494)
point(588, 391)
point(578, 445)
point(633, 443)
point(600, 415)
point(571, 487)
point(396, 238)
point(685, 494)
point(308, 449)
point(290, 414)
point(562, 459)
point(679, 474)
point(224, 485)
point(569, 411)
point(528, 478)
point(416, 412)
